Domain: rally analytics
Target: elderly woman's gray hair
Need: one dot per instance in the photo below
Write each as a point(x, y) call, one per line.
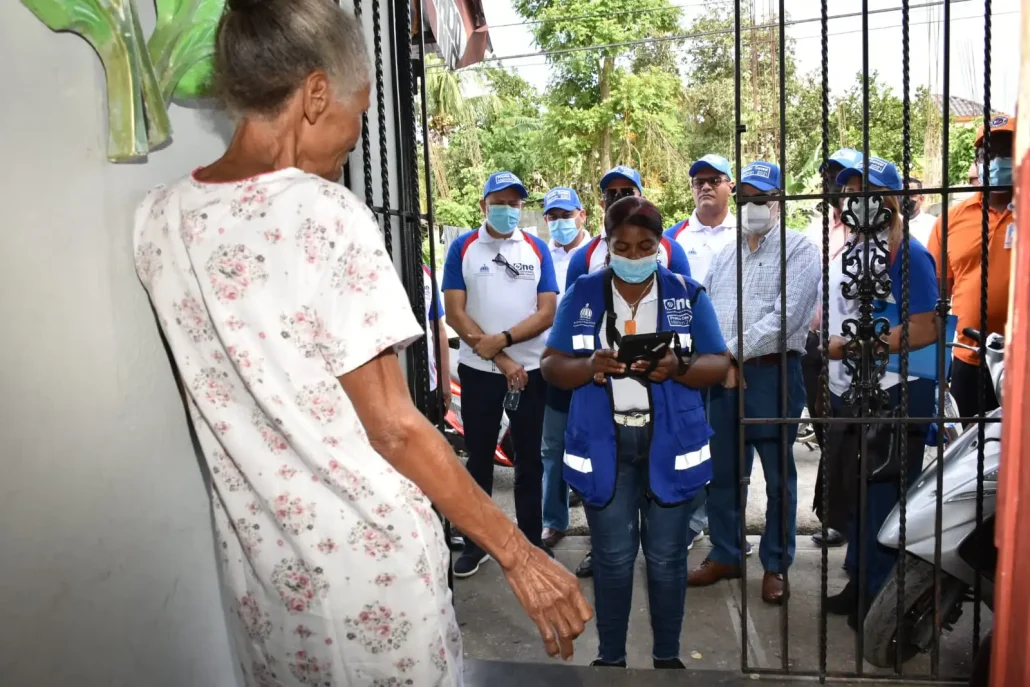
point(265, 49)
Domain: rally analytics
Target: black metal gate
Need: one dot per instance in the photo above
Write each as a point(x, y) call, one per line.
point(866, 357)
point(395, 128)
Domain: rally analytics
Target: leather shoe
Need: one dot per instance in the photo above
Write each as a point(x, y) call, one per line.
point(833, 538)
point(774, 588)
point(551, 536)
point(710, 572)
point(586, 567)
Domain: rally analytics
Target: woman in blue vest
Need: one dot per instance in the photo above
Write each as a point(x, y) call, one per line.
point(636, 445)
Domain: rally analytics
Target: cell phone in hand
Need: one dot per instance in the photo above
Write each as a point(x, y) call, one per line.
point(648, 347)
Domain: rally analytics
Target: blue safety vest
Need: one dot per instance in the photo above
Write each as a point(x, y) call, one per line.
point(680, 460)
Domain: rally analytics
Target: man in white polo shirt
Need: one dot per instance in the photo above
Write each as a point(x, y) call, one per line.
point(712, 225)
point(501, 295)
point(565, 219)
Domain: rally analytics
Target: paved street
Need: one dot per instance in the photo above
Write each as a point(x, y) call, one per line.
point(496, 629)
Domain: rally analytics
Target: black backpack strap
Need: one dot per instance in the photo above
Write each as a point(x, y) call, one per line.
point(611, 330)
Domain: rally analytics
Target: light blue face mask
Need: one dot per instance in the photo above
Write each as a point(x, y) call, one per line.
point(634, 271)
point(503, 218)
point(563, 231)
point(999, 171)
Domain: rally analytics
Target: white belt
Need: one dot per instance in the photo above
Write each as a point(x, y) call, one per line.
point(632, 419)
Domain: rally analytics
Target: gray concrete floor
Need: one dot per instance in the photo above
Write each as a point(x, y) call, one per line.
point(496, 629)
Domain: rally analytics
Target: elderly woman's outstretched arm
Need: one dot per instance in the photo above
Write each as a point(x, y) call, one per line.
point(400, 434)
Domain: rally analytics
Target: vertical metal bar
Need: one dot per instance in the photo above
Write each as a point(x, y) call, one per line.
point(366, 148)
point(741, 444)
point(442, 376)
point(784, 444)
point(863, 451)
point(906, 165)
point(935, 654)
point(982, 374)
point(384, 157)
point(824, 336)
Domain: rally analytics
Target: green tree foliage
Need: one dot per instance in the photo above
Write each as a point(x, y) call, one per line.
point(656, 105)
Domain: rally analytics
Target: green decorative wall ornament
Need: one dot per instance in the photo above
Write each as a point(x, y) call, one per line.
point(142, 77)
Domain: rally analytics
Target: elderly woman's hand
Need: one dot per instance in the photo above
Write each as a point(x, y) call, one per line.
point(551, 596)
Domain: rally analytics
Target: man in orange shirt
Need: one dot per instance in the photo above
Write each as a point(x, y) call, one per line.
point(965, 234)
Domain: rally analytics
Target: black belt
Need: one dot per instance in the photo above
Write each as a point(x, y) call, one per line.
point(771, 358)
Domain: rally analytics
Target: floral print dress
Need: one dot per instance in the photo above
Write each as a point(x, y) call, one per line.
point(334, 564)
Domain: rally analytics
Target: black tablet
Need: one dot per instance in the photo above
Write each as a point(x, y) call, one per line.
point(634, 347)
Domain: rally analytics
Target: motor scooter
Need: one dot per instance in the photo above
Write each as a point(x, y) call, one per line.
point(967, 550)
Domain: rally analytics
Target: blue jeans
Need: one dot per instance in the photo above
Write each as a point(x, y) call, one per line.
point(616, 532)
point(725, 509)
point(552, 453)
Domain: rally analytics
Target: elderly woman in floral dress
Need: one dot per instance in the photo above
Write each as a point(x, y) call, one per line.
point(284, 316)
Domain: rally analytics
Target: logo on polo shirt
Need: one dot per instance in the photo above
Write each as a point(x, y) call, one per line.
point(526, 270)
point(678, 312)
point(484, 270)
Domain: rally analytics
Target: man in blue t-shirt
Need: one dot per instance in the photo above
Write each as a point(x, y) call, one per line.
point(501, 295)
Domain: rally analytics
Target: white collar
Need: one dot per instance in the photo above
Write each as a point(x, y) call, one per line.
point(694, 224)
point(484, 235)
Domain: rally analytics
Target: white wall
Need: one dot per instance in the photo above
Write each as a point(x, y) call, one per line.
point(107, 572)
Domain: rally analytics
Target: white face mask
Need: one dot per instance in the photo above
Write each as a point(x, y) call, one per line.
point(758, 219)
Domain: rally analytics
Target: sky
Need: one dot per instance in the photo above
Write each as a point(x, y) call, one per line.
point(511, 37)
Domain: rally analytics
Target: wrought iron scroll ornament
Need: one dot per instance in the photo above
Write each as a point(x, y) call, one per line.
point(866, 268)
point(142, 76)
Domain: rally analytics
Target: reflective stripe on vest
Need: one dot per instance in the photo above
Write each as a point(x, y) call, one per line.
point(579, 464)
point(692, 459)
point(583, 342)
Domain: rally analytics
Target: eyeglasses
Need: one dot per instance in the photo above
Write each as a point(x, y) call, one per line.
point(508, 267)
point(613, 194)
point(714, 182)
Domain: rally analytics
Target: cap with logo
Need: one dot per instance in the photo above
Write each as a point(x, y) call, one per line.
point(712, 161)
point(562, 198)
point(765, 176)
point(624, 172)
point(845, 157)
point(499, 181)
point(1000, 123)
point(881, 173)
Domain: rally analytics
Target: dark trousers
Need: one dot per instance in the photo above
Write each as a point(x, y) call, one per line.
point(811, 368)
point(881, 496)
point(965, 389)
point(482, 404)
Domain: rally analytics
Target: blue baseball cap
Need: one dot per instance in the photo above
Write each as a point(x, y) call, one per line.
point(765, 176)
point(712, 161)
point(562, 198)
point(626, 173)
point(499, 181)
point(881, 173)
point(845, 157)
